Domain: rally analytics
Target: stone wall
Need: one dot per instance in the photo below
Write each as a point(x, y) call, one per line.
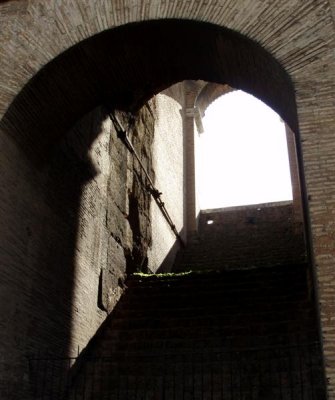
point(71, 232)
point(245, 237)
point(255, 235)
point(168, 163)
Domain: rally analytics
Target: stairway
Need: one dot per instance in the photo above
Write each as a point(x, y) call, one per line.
point(230, 335)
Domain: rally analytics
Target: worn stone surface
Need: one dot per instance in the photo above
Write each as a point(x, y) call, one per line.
point(112, 276)
point(169, 166)
point(141, 135)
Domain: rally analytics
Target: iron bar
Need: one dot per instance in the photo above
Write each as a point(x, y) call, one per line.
point(155, 193)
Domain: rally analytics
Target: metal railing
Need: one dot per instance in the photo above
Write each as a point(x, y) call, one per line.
point(272, 373)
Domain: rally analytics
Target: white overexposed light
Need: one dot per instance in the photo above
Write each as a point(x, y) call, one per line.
point(242, 155)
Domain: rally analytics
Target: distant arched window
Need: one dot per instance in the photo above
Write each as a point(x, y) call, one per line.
point(242, 157)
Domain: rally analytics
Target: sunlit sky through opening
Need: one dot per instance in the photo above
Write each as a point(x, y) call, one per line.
point(242, 155)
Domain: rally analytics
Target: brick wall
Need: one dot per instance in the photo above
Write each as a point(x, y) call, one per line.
point(71, 232)
point(299, 34)
point(262, 235)
point(168, 163)
point(256, 235)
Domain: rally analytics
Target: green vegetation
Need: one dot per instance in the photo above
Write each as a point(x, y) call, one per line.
point(164, 275)
point(175, 274)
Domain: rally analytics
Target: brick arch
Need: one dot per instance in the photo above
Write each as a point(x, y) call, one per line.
point(125, 66)
point(208, 94)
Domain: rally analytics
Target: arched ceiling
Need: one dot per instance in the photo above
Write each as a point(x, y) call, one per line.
point(125, 66)
point(298, 33)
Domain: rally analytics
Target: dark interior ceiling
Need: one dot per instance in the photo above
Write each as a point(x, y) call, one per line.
point(126, 66)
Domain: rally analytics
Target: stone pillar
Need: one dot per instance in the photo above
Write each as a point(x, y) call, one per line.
point(191, 91)
point(294, 170)
point(190, 174)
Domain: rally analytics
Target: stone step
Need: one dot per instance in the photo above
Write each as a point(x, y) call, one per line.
point(217, 286)
point(199, 376)
point(128, 363)
point(224, 313)
point(197, 370)
point(183, 348)
point(201, 340)
point(184, 337)
point(234, 305)
point(153, 391)
point(281, 334)
point(267, 288)
point(232, 322)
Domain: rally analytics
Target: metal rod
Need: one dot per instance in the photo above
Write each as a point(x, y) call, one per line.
point(155, 193)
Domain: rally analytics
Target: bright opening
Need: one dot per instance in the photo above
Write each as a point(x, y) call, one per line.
point(242, 155)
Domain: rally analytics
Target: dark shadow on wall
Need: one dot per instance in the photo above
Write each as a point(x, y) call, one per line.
point(81, 223)
point(49, 213)
point(59, 377)
point(69, 170)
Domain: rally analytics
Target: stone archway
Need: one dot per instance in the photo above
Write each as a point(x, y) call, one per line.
point(124, 67)
point(93, 72)
point(200, 96)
